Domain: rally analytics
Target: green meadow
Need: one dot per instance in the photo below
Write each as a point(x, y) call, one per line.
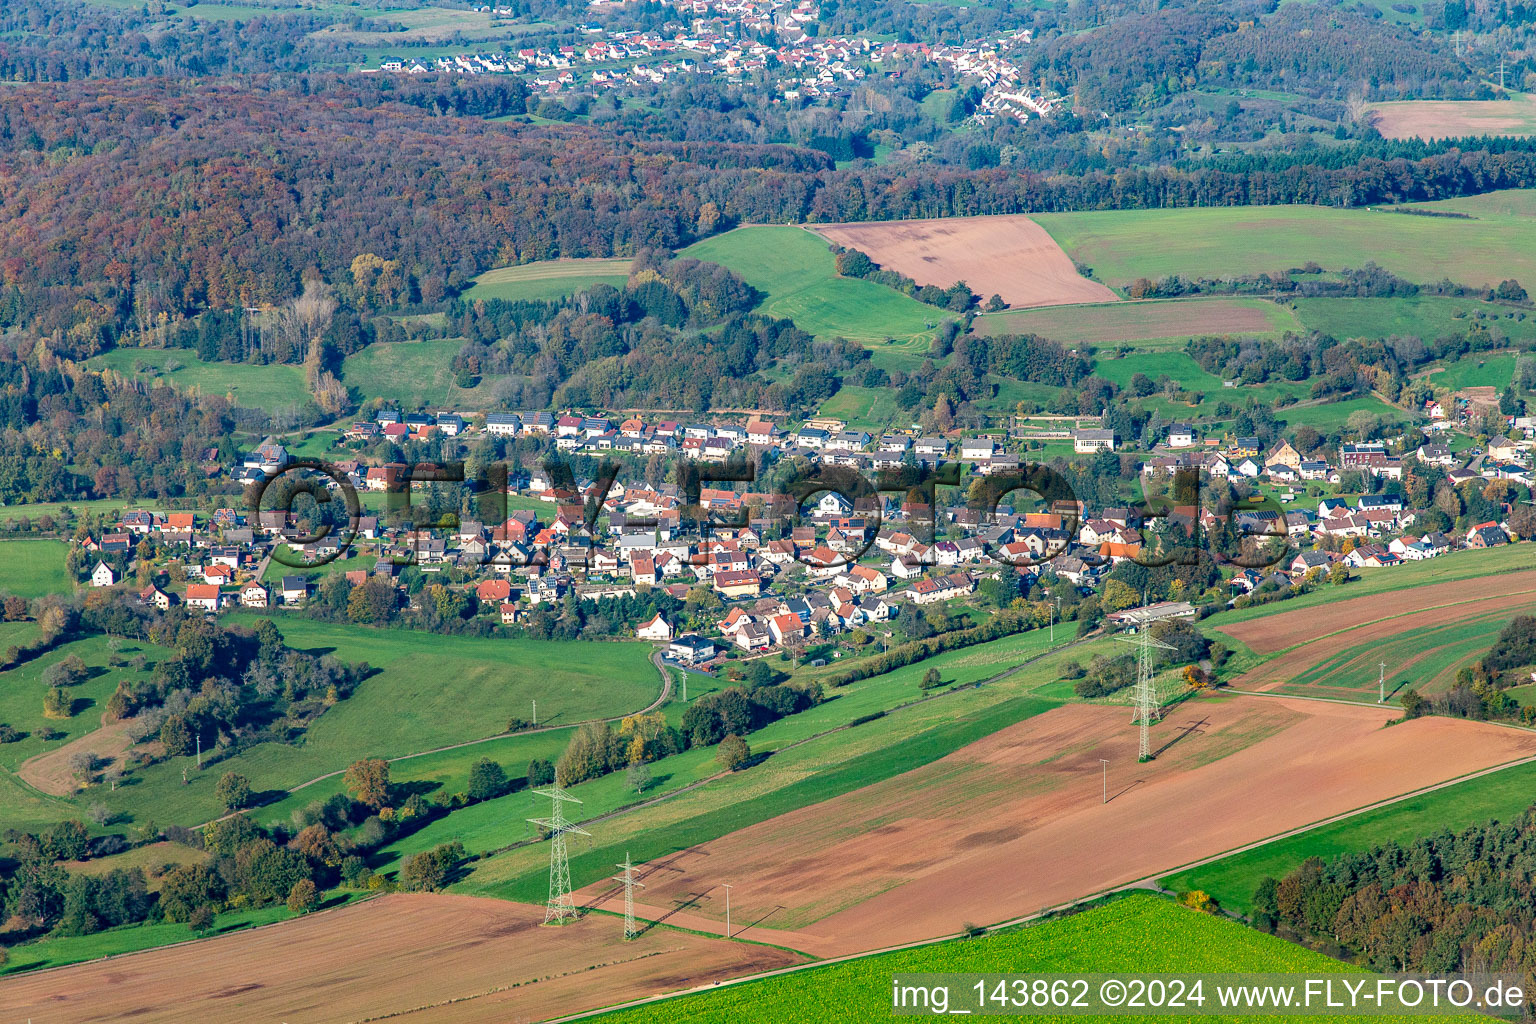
point(548, 279)
point(796, 271)
point(1139, 934)
point(1219, 242)
point(427, 692)
point(412, 373)
point(32, 568)
point(269, 387)
point(1422, 316)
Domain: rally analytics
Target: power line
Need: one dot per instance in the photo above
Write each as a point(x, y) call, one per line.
point(560, 908)
point(1148, 707)
point(628, 878)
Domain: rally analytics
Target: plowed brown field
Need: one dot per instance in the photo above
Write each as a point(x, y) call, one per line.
point(1441, 602)
point(1015, 822)
point(1011, 256)
point(419, 959)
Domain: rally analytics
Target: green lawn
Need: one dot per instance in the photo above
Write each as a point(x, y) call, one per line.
point(1332, 416)
point(549, 279)
point(352, 559)
point(1423, 316)
point(274, 386)
point(1140, 934)
point(21, 707)
point(1224, 241)
point(1156, 323)
point(1502, 795)
point(413, 373)
point(796, 271)
point(32, 568)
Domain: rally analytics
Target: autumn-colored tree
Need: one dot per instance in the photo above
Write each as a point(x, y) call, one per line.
point(303, 897)
point(368, 781)
point(318, 844)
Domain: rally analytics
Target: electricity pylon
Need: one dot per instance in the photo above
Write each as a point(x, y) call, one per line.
point(1148, 707)
point(560, 907)
point(628, 878)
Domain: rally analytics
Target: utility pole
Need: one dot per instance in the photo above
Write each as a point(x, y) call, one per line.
point(1458, 42)
point(1501, 73)
point(560, 907)
point(535, 714)
point(628, 878)
point(1382, 681)
point(199, 751)
point(727, 910)
point(1104, 768)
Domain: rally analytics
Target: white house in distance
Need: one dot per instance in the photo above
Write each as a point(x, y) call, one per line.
point(1086, 441)
point(103, 575)
point(656, 629)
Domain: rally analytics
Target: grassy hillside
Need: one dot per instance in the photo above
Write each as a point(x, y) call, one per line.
point(270, 387)
point(1219, 242)
point(413, 373)
point(548, 279)
point(796, 270)
point(1423, 316)
point(1141, 934)
point(425, 694)
point(1162, 323)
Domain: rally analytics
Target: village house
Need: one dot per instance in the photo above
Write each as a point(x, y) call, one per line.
point(655, 629)
point(203, 596)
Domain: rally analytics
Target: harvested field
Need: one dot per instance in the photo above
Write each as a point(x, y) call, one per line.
point(1015, 822)
point(428, 959)
point(51, 772)
point(1442, 119)
point(1144, 321)
point(1011, 256)
point(1442, 602)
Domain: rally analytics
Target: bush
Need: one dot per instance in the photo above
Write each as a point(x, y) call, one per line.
point(734, 754)
point(866, 718)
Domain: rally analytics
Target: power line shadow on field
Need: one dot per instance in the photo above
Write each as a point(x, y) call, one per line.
point(754, 924)
point(1124, 791)
point(688, 903)
point(1193, 727)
